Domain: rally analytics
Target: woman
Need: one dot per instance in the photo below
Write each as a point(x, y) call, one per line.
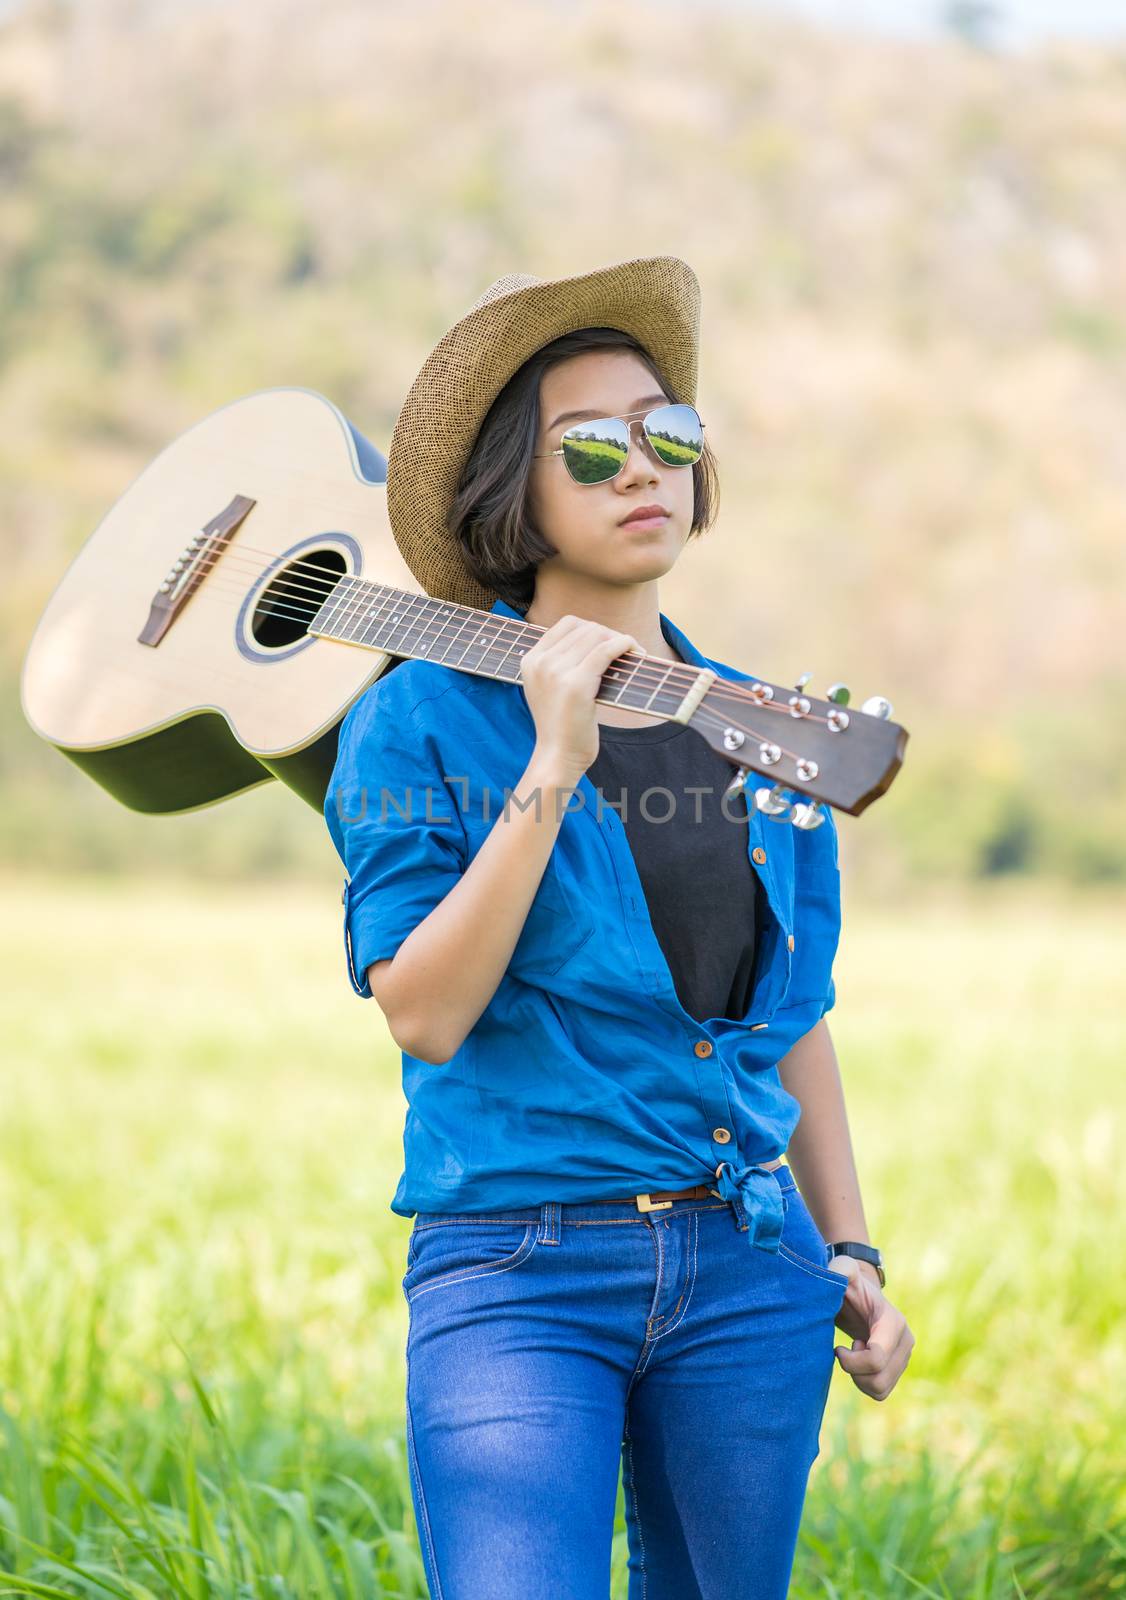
point(611, 1012)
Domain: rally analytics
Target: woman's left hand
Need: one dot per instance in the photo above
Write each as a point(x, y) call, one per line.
point(881, 1340)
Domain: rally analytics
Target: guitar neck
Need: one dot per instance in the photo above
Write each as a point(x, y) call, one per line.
point(378, 617)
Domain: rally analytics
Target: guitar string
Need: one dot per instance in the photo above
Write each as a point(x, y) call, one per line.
point(623, 677)
point(643, 676)
point(646, 675)
point(632, 677)
point(704, 715)
point(328, 584)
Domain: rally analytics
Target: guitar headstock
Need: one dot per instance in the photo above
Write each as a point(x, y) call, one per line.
point(846, 756)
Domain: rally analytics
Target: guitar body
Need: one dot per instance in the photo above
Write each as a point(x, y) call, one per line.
point(230, 692)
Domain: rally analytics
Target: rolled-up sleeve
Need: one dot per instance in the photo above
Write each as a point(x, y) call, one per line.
point(393, 819)
point(830, 996)
point(832, 931)
point(817, 913)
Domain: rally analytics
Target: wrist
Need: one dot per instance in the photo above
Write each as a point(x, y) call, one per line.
point(551, 772)
point(867, 1256)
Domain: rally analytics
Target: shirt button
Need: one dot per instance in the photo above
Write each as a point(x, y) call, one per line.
point(703, 1047)
point(790, 941)
point(721, 1135)
point(758, 854)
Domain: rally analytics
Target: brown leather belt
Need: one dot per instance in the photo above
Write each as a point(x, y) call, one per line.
point(659, 1201)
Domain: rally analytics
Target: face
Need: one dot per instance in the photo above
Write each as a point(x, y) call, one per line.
point(584, 521)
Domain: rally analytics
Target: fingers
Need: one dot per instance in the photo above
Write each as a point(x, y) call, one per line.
point(581, 643)
point(603, 651)
point(592, 643)
point(866, 1358)
point(575, 631)
point(560, 630)
point(552, 644)
point(876, 1364)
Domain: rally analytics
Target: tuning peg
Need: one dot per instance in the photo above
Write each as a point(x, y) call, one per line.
point(738, 780)
point(877, 706)
point(838, 692)
point(802, 681)
point(807, 815)
point(772, 801)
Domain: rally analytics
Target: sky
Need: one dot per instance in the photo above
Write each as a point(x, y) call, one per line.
point(1021, 22)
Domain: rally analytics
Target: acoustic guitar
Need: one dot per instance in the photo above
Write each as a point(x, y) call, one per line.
point(246, 588)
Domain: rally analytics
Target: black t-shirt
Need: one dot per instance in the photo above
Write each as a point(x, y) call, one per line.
point(691, 855)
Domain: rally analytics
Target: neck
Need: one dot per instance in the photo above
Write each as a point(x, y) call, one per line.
point(630, 608)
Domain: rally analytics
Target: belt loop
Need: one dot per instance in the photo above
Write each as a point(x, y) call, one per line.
point(549, 1232)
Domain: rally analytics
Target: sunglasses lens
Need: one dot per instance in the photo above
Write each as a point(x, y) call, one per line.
point(596, 451)
point(676, 434)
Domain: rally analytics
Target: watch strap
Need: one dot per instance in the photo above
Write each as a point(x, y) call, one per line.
point(862, 1252)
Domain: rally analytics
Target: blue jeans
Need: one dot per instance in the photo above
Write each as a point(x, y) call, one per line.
point(549, 1345)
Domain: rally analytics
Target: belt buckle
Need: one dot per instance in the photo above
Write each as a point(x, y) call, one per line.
point(645, 1204)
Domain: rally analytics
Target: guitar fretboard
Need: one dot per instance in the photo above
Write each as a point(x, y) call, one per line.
point(377, 617)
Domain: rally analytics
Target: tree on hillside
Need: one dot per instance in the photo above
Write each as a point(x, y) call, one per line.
point(975, 21)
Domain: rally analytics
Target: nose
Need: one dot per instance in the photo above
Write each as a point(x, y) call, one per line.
point(640, 450)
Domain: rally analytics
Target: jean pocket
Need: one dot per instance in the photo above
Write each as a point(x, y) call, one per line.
point(443, 1254)
point(801, 1243)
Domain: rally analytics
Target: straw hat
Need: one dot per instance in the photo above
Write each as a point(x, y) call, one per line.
point(654, 298)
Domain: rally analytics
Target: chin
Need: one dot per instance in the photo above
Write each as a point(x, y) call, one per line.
point(646, 571)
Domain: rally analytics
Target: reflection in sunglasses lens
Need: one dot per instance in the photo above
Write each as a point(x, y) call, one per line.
point(675, 434)
point(595, 452)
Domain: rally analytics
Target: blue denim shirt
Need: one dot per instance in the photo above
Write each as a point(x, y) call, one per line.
point(584, 1078)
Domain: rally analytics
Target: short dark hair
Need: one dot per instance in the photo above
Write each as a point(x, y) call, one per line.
point(489, 517)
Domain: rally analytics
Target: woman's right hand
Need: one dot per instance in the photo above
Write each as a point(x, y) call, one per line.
point(561, 675)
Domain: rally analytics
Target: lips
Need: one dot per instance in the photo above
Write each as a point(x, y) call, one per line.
point(644, 514)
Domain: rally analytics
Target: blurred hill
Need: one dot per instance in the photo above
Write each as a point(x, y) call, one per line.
point(913, 260)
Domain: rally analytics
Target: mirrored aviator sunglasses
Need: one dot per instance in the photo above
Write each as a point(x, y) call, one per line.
point(596, 451)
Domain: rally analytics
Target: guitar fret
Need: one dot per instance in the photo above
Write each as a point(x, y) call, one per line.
point(518, 641)
point(374, 634)
point(465, 647)
point(647, 699)
point(622, 687)
point(348, 611)
point(428, 611)
point(440, 623)
point(336, 601)
point(400, 640)
point(441, 644)
point(375, 619)
point(488, 641)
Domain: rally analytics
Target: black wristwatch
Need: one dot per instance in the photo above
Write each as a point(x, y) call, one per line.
point(862, 1252)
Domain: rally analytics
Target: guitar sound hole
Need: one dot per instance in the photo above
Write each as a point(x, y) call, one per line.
point(293, 596)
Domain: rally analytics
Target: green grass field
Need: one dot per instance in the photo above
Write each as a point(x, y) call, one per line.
point(201, 1324)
